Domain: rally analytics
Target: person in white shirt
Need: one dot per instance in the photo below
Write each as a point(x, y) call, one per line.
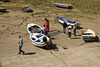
point(69, 31)
point(20, 45)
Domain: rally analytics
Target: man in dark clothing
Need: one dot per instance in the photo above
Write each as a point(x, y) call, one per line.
point(74, 28)
point(64, 27)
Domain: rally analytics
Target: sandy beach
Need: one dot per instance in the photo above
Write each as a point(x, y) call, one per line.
point(73, 52)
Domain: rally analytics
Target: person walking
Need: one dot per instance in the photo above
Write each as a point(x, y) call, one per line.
point(69, 31)
point(64, 27)
point(20, 45)
point(74, 28)
point(46, 24)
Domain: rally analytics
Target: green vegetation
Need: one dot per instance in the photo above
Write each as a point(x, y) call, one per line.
point(85, 6)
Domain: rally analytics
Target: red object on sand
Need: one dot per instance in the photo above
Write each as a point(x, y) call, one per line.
point(47, 25)
point(36, 30)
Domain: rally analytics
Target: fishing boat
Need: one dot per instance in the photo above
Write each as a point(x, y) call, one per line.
point(88, 34)
point(5, 0)
point(62, 5)
point(33, 28)
point(40, 40)
point(61, 20)
point(2, 9)
point(26, 9)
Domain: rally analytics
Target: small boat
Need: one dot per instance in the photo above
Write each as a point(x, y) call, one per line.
point(2, 9)
point(88, 34)
point(5, 0)
point(61, 20)
point(26, 9)
point(33, 28)
point(62, 5)
point(40, 40)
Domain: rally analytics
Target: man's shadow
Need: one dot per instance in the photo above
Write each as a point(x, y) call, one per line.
point(30, 53)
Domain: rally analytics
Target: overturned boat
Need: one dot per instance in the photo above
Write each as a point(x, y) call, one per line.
point(61, 20)
point(26, 9)
point(62, 5)
point(88, 34)
point(40, 40)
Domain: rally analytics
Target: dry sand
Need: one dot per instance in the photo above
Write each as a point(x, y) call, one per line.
point(72, 52)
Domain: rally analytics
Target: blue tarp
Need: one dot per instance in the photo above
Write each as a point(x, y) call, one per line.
point(56, 33)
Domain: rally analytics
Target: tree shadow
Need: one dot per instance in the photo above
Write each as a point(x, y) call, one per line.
point(30, 53)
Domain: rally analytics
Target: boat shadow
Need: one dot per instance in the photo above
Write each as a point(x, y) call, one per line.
point(75, 38)
point(53, 47)
point(4, 12)
point(6, 1)
point(96, 40)
point(50, 47)
point(65, 7)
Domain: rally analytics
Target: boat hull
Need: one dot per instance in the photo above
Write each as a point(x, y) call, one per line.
point(61, 20)
point(32, 25)
point(26, 9)
point(88, 35)
point(38, 41)
point(88, 38)
point(62, 5)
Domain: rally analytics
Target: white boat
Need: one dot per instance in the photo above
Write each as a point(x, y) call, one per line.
point(33, 28)
point(37, 38)
point(61, 20)
point(88, 34)
point(62, 5)
point(40, 40)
